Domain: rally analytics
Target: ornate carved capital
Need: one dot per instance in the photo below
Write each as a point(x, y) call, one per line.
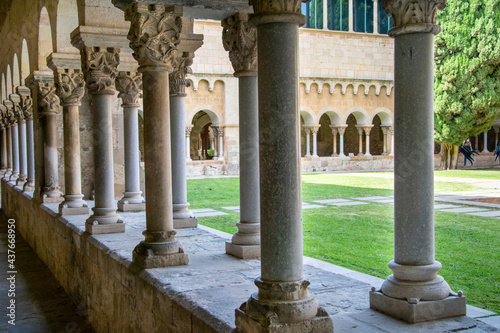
point(48, 100)
point(100, 68)
point(70, 85)
point(368, 130)
point(411, 16)
point(267, 11)
point(314, 130)
point(188, 131)
point(181, 68)
point(16, 107)
point(9, 115)
point(342, 130)
point(26, 102)
point(129, 86)
point(154, 35)
point(240, 40)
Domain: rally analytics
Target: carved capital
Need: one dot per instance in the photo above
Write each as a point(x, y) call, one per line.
point(154, 35)
point(412, 16)
point(268, 11)
point(9, 115)
point(129, 86)
point(26, 101)
point(341, 130)
point(188, 131)
point(100, 69)
point(240, 40)
point(314, 130)
point(48, 101)
point(181, 68)
point(70, 85)
point(16, 107)
point(215, 131)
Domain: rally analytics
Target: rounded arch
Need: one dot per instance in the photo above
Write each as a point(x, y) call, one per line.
point(332, 113)
point(360, 114)
point(8, 83)
point(385, 116)
point(308, 116)
point(45, 46)
point(25, 62)
point(66, 22)
point(16, 76)
point(208, 110)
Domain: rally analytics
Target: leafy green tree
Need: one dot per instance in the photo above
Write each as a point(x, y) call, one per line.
point(467, 73)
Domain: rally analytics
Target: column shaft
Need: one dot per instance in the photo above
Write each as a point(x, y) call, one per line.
point(23, 168)
point(3, 157)
point(15, 153)
point(485, 140)
point(8, 133)
point(308, 142)
point(315, 143)
point(51, 191)
point(30, 183)
point(341, 137)
point(188, 144)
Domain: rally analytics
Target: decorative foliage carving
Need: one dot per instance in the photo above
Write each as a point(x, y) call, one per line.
point(188, 131)
point(405, 12)
point(16, 109)
point(261, 6)
point(27, 106)
point(48, 100)
point(181, 68)
point(100, 69)
point(240, 40)
point(9, 115)
point(129, 86)
point(154, 34)
point(70, 86)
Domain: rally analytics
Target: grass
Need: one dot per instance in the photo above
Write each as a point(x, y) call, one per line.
point(478, 174)
point(362, 238)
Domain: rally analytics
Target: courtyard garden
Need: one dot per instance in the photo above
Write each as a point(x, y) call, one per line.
point(360, 237)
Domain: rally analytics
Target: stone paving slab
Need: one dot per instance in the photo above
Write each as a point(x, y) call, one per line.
point(443, 206)
point(311, 206)
point(207, 212)
point(370, 198)
point(463, 210)
point(494, 213)
point(328, 201)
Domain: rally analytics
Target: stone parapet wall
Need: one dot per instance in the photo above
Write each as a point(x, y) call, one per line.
point(116, 296)
point(347, 163)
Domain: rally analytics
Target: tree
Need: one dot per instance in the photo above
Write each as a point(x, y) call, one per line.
point(467, 73)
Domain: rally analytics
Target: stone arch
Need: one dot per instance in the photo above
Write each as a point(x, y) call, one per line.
point(45, 45)
point(25, 62)
point(16, 76)
point(202, 139)
point(308, 116)
point(334, 114)
point(385, 116)
point(66, 22)
point(362, 117)
point(208, 109)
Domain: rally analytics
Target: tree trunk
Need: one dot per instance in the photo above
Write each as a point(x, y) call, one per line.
point(449, 157)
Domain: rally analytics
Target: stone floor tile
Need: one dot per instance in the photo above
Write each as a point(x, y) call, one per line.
point(463, 210)
point(494, 213)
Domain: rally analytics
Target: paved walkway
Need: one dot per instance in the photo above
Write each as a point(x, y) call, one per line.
point(41, 304)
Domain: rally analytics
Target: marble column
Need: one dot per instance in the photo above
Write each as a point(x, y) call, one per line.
point(391, 131)
point(214, 140)
point(415, 292)
point(27, 177)
point(183, 217)
point(13, 141)
point(476, 143)
point(99, 66)
point(8, 142)
point(334, 135)
point(50, 107)
point(360, 142)
point(283, 302)
point(308, 141)
point(367, 134)
point(341, 130)
point(351, 15)
point(160, 248)
point(220, 133)
point(240, 40)
point(314, 131)
point(129, 86)
point(3, 148)
point(485, 141)
point(188, 143)
point(70, 89)
point(385, 131)
point(21, 138)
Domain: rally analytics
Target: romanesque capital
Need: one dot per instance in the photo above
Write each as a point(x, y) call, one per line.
point(70, 85)
point(188, 131)
point(100, 68)
point(3, 114)
point(10, 116)
point(154, 35)
point(269, 11)
point(240, 40)
point(26, 101)
point(412, 16)
point(129, 86)
point(314, 130)
point(181, 68)
point(48, 101)
point(368, 129)
point(16, 107)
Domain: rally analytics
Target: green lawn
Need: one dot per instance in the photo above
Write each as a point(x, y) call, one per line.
point(361, 237)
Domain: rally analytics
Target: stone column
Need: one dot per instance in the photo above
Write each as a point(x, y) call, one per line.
point(497, 131)
point(392, 141)
point(188, 143)
point(308, 141)
point(155, 57)
point(3, 148)
point(360, 143)
point(214, 141)
point(240, 40)
point(367, 133)
point(385, 131)
point(476, 143)
point(220, 133)
point(485, 140)
point(341, 137)
point(415, 292)
point(50, 107)
point(282, 302)
point(183, 217)
point(8, 143)
point(21, 140)
point(99, 66)
point(71, 88)
point(334, 134)
point(129, 86)
point(27, 176)
point(314, 131)
point(14, 140)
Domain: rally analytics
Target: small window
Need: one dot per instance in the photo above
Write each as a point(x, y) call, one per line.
point(313, 10)
point(363, 16)
point(338, 15)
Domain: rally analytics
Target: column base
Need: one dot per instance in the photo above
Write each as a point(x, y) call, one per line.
point(335, 155)
point(52, 196)
point(29, 186)
point(104, 221)
point(21, 180)
point(14, 177)
point(360, 154)
point(162, 254)
point(74, 205)
point(418, 311)
point(84, 210)
point(243, 251)
point(124, 206)
point(190, 222)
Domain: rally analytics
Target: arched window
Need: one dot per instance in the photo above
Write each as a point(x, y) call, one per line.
point(313, 10)
point(338, 15)
point(363, 16)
